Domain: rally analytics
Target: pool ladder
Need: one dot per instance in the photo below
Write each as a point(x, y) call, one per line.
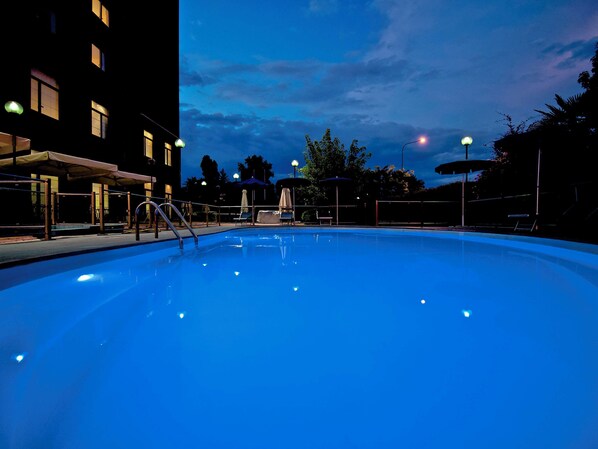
point(160, 212)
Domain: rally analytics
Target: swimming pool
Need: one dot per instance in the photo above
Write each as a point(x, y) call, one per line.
point(304, 338)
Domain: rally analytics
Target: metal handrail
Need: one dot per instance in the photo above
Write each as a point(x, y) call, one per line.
point(178, 212)
point(166, 220)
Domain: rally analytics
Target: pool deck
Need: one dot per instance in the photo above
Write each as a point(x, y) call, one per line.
point(20, 250)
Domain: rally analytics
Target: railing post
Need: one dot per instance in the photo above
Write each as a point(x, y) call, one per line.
point(93, 208)
point(207, 209)
point(129, 210)
point(47, 212)
point(136, 226)
point(53, 208)
point(377, 213)
point(190, 210)
point(219, 216)
point(101, 208)
point(156, 223)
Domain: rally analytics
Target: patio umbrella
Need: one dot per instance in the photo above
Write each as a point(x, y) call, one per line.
point(336, 181)
point(59, 164)
point(253, 184)
point(119, 178)
point(292, 182)
point(285, 202)
point(244, 202)
point(463, 167)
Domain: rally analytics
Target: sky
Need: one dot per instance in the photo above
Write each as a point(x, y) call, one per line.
point(256, 77)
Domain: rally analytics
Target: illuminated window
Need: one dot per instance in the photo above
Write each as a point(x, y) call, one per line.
point(168, 192)
point(100, 10)
point(148, 145)
point(97, 188)
point(99, 120)
point(38, 191)
point(167, 154)
point(44, 94)
point(97, 57)
point(148, 196)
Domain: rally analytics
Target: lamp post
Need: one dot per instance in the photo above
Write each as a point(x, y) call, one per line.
point(13, 107)
point(295, 164)
point(421, 140)
point(151, 162)
point(179, 143)
point(236, 177)
point(465, 141)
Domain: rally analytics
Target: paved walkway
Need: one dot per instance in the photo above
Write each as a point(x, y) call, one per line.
point(14, 251)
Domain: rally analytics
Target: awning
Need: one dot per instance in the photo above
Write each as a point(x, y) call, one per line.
point(6, 144)
point(122, 178)
point(58, 164)
point(77, 168)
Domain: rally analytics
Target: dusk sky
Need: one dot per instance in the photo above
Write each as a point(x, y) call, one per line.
point(256, 77)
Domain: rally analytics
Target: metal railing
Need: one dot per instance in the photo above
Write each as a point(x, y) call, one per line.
point(158, 211)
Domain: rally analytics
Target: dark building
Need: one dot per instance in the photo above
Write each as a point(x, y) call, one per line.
point(96, 79)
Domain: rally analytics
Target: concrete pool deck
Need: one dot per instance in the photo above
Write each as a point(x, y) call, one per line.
point(16, 251)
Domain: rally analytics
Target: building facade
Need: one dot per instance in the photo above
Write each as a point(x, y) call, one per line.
point(95, 79)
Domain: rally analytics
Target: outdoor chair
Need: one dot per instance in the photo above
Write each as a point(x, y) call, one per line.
point(324, 217)
point(524, 222)
point(243, 217)
point(286, 217)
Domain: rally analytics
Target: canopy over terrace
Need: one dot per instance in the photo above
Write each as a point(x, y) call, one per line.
point(74, 167)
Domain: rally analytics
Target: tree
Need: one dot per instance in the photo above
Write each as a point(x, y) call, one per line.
point(328, 158)
point(209, 170)
point(257, 167)
point(387, 183)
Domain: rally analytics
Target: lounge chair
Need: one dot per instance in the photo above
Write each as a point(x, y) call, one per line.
point(324, 217)
point(243, 217)
point(286, 217)
point(525, 222)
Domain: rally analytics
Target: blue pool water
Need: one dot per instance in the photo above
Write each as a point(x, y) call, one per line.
point(296, 339)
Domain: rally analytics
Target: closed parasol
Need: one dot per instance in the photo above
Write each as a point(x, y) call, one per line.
point(336, 181)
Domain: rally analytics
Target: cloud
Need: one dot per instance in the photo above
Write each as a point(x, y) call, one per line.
point(569, 55)
point(322, 7)
point(230, 138)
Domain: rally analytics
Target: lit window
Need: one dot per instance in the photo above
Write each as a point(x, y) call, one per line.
point(97, 57)
point(167, 154)
point(148, 145)
point(99, 120)
point(168, 192)
point(38, 191)
point(100, 10)
point(44, 94)
point(148, 196)
point(97, 188)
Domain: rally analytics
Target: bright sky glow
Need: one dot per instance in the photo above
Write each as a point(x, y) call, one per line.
point(255, 78)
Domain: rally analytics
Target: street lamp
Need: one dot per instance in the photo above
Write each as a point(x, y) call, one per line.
point(421, 140)
point(13, 107)
point(151, 162)
point(179, 143)
point(295, 164)
point(466, 141)
point(236, 177)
